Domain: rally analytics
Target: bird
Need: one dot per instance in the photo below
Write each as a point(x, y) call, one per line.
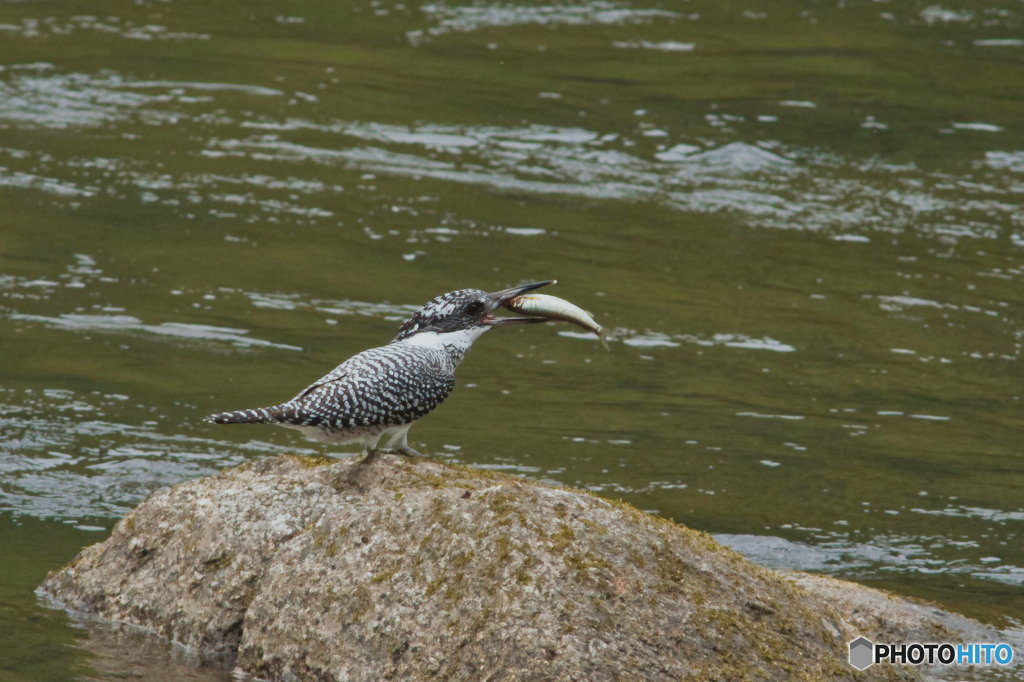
point(380, 392)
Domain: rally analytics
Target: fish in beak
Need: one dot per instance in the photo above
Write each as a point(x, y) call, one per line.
point(554, 308)
point(503, 298)
point(541, 308)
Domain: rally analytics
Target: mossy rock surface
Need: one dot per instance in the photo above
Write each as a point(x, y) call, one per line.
point(413, 569)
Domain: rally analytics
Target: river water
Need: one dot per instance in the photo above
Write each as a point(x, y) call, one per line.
point(802, 223)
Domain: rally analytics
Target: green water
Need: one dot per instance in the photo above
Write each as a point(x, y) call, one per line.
point(803, 224)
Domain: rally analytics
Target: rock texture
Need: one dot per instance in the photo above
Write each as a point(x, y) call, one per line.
point(411, 569)
point(893, 619)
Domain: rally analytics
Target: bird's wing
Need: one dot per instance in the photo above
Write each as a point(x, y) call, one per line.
point(375, 387)
point(337, 374)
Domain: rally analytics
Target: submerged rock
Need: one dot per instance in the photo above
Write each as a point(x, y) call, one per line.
point(410, 569)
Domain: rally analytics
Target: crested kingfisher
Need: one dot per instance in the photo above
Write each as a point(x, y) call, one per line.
point(382, 391)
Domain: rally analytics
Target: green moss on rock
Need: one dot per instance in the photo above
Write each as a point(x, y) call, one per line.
point(411, 568)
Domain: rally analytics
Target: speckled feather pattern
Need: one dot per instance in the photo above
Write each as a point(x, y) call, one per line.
point(381, 388)
point(387, 386)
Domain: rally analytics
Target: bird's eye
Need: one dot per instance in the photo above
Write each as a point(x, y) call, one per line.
point(475, 308)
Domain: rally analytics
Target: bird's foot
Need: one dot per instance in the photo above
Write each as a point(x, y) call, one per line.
point(408, 452)
point(401, 450)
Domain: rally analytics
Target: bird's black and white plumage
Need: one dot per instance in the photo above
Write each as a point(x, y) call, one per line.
point(382, 391)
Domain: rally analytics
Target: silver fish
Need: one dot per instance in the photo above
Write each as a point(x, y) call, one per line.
point(554, 308)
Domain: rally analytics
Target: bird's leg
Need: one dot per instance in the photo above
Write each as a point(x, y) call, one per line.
point(400, 436)
point(370, 456)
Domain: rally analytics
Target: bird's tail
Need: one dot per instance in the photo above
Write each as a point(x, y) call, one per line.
point(259, 415)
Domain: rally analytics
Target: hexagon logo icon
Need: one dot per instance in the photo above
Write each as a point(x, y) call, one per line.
point(862, 653)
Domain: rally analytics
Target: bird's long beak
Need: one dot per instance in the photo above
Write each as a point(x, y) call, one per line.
point(506, 295)
point(501, 297)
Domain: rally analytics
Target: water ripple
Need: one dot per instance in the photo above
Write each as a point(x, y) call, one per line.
point(473, 17)
point(60, 101)
point(886, 553)
point(767, 183)
point(127, 323)
point(58, 459)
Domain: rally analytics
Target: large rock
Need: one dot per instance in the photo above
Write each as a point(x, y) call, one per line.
point(413, 569)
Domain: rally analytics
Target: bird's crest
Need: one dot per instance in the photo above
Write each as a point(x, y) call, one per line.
point(448, 312)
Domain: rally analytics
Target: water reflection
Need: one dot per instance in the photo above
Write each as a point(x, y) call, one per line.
point(466, 18)
point(127, 323)
point(63, 100)
point(121, 650)
point(107, 26)
point(837, 552)
point(886, 554)
point(771, 183)
point(61, 455)
point(774, 189)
